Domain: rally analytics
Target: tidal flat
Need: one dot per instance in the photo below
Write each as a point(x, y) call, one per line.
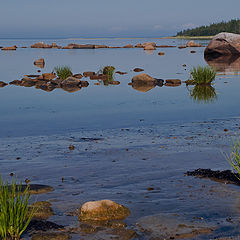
point(130, 145)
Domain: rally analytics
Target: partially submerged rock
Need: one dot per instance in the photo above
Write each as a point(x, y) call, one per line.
point(103, 210)
point(167, 226)
point(70, 81)
point(165, 46)
point(78, 75)
point(128, 46)
point(51, 236)
point(138, 70)
point(79, 46)
point(193, 44)
point(88, 74)
point(9, 48)
point(143, 77)
point(182, 46)
point(3, 84)
point(48, 76)
point(39, 63)
point(225, 176)
point(41, 45)
point(42, 210)
point(121, 73)
point(100, 46)
point(173, 82)
point(149, 47)
point(37, 188)
point(41, 225)
point(223, 44)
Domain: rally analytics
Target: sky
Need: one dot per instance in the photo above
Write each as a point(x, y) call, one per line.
point(109, 18)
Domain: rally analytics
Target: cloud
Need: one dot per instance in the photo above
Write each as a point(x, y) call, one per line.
point(188, 25)
point(157, 27)
point(118, 29)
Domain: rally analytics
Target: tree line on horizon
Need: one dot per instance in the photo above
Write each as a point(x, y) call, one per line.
point(232, 26)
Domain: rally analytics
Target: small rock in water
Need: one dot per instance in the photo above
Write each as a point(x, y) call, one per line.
point(138, 69)
point(71, 147)
point(39, 63)
point(3, 84)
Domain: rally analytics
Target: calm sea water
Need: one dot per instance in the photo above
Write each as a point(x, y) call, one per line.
point(28, 111)
point(168, 131)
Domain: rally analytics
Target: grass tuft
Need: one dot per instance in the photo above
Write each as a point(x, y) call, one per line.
point(234, 158)
point(14, 211)
point(203, 75)
point(63, 72)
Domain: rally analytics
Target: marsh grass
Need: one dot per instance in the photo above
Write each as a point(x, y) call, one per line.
point(203, 75)
point(109, 72)
point(63, 72)
point(203, 93)
point(14, 211)
point(234, 158)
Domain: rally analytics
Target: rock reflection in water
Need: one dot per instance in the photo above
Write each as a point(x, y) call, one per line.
point(203, 93)
point(225, 64)
point(143, 87)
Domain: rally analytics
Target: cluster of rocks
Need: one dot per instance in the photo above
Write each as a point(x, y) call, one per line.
point(48, 82)
point(146, 46)
point(143, 82)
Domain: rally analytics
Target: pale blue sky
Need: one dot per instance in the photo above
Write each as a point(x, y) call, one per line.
point(109, 18)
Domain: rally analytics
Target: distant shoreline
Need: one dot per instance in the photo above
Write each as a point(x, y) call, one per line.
point(114, 38)
point(189, 37)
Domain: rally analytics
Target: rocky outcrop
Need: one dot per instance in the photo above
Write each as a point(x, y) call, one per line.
point(103, 210)
point(39, 63)
point(223, 44)
point(9, 48)
point(193, 44)
point(79, 46)
point(41, 45)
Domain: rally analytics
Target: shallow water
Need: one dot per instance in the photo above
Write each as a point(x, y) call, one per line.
point(145, 139)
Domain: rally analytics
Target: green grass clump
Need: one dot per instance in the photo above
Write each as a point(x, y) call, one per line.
point(203, 93)
point(234, 158)
point(63, 72)
point(203, 75)
point(109, 72)
point(14, 211)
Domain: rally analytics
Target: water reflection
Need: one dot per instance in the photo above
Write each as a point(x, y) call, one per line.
point(142, 87)
point(225, 64)
point(203, 93)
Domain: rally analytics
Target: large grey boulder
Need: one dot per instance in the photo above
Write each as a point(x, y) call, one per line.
point(223, 44)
